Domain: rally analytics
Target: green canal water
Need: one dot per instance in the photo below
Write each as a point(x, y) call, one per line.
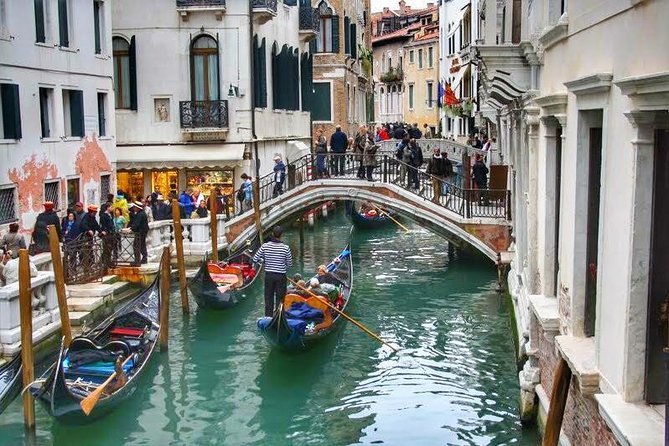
point(454, 382)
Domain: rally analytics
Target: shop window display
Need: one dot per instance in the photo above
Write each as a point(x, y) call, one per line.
point(131, 183)
point(207, 180)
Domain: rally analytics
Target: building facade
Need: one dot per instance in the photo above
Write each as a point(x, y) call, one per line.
point(578, 93)
point(238, 76)
point(57, 95)
point(457, 32)
point(389, 76)
point(342, 65)
point(422, 74)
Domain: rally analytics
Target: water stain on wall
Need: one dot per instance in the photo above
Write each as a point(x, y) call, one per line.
point(29, 180)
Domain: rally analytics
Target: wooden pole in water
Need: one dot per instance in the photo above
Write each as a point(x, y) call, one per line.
point(179, 243)
point(164, 298)
point(26, 310)
point(214, 226)
point(561, 380)
point(60, 285)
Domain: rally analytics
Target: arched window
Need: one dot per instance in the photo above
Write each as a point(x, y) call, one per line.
point(327, 30)
point(121, 54)
point(204, 69)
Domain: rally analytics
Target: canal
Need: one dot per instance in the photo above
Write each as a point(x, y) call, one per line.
point(454, 382)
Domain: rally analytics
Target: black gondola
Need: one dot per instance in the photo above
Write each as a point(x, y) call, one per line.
point(283, 331)
point(221, 285)
point(10, 381)
point(368, 220)
point(131, 330)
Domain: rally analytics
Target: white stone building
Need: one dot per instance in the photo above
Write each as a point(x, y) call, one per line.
point(457, 32)
point(185, 93)
point(578, 92)
point(56, 136)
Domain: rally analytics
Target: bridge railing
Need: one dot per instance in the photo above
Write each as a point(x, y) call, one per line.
point(468, 203)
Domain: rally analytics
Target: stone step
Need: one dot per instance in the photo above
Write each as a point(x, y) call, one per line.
point(80, 318)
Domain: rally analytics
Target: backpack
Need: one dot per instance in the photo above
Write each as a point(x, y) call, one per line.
point(241, 194)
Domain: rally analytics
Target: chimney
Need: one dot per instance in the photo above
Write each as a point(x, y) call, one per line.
point(386, 10)
point(403, 6)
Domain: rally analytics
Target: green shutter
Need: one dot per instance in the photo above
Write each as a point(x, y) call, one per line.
point(335, 33)
point(313, 48)
point(256, 70)
point(132, 63)
point(303, 82)
point(354, 41)
point(11, 111)
point(39, 21)
point(263, 74)
point(275, 77)
point(321, 107)
point(63, 31)
point(347, 35)
point(77, 112)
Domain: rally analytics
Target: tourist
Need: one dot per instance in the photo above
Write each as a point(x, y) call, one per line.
point(277, 258)
point(406, 157)
point(427, 131)
point(122, 203)
point(338, 146)
point(369, 158)
point(279, 175)
point(416, 162)
point(414, 132)
point(437, 166)
point(383, 134)
point(201, 211)
point(140, 227)
point(198, 196)
point(12, 240)
point(10, 271)
point(5, 256)
point(70, 228)
point(186, 200)
point(107, 232)
point(79, 211)
point(359, 149)
point(321, 152)
point(40, 235)
point(248, 192)
point(119, 220)
point(449, 174)
point(476, 143)
point(161, 211)
point(480, 174)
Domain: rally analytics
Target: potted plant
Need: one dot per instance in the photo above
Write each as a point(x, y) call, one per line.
point(366, 59)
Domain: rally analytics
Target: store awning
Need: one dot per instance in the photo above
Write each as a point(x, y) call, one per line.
point(180, 156)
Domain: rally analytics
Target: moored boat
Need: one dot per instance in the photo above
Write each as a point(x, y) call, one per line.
point(367, 219)
point(303, 319)
point(221, 285)
point(10, 381)
point(131, 333)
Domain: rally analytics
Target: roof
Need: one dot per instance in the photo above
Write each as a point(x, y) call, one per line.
point(399, 34)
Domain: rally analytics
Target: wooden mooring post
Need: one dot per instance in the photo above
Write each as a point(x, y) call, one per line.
point(179, 244)
point(561, 381)
point(214, 227)
point(59, 277)
point(164, 298)
point(27, 361)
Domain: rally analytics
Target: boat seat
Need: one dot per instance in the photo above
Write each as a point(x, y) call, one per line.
point(84, 343)
point(230, 275)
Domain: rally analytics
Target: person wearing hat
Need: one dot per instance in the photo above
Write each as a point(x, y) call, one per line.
point(278, 259)
point(79, 211)
point(162, 210)
point(247, 187)
point(12, 240)
point(139, 225)
point(40, 237)
point(279, 175)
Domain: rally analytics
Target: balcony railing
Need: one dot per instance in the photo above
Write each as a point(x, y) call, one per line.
point(204, 114)
point(200, 3)
point(264, 6)
point(392, 75)
point(309, 19)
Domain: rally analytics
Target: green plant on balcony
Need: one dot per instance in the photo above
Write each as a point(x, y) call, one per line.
point(366, 59)
point(454, 111)
point(467, 107)
point(392, 75)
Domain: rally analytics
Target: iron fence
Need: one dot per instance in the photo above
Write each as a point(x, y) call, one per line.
point(203, 114)
point(8, 205)
point(186, 3)
point(309, 19)
point(264, 4)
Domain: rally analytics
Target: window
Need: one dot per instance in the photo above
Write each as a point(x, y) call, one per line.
point(411, 96)
point(124, 73)
point(10, 112)
point(285, 78)
point(347, 35)
point(40, 34)
point(390, 63)
point(328, 36)
point(204, 69)
point(430, 57)
point(429, 94)
point(105, 186)
point(8, 205)
point(411, 56)
point(260, 78)
point(420, 58)
point(63, 26)
point(353, 35)
point(73, 112)
point(97, 25)
point(52, 193)
point(102, 114)
point(72, 192)
point(322, 110)
point(307, 76)
point(46, 110)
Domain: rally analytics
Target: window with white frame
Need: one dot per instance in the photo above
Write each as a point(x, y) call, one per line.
point(52, 193)
point(411, 96)
point(46, 111)
point(73, 113)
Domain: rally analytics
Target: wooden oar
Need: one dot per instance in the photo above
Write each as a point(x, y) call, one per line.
point(381, 211)
point(356, 323)
point(88, 403)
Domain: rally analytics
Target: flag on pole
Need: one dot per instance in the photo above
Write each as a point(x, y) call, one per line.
point(449, 96)
point(440, 93)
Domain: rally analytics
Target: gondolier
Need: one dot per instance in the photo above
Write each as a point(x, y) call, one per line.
point(277, 258)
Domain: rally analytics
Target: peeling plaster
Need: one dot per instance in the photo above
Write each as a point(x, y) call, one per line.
point(29, 181)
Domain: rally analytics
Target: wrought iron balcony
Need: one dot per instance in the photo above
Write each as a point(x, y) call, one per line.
point(264, 10)
point(309, 22)
point(200, 3)
point(203, 115)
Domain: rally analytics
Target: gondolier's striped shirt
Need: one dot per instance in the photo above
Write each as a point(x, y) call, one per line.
point(277, 257)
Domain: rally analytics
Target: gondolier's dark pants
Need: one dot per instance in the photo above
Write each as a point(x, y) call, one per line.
point(275, 291)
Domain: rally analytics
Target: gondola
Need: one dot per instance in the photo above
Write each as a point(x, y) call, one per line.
point(10, 381)
point(289, 332)
point(221, 285)
point(132, 332)
point(369, 220)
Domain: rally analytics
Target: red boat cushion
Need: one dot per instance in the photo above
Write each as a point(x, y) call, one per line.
point(131, 332)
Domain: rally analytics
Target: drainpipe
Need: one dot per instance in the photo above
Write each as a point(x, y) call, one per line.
point(254, 138)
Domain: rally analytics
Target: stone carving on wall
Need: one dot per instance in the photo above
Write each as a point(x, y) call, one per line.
point(162, 109)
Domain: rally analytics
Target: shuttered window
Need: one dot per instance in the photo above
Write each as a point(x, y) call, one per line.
point(328, 35)
point(322, 108)
point(45, 108)
point(132, 65)
point(307, 76)
point(354, 40)
point(285, 78)
point(40, 35)
point(11, 111)
point(102, 114)
point(347, 35)
point(260, 73)
point(63, 23)
point(73, 112)
point(97, 17)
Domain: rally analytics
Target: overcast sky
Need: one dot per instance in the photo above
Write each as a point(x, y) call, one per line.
point(377, 5)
